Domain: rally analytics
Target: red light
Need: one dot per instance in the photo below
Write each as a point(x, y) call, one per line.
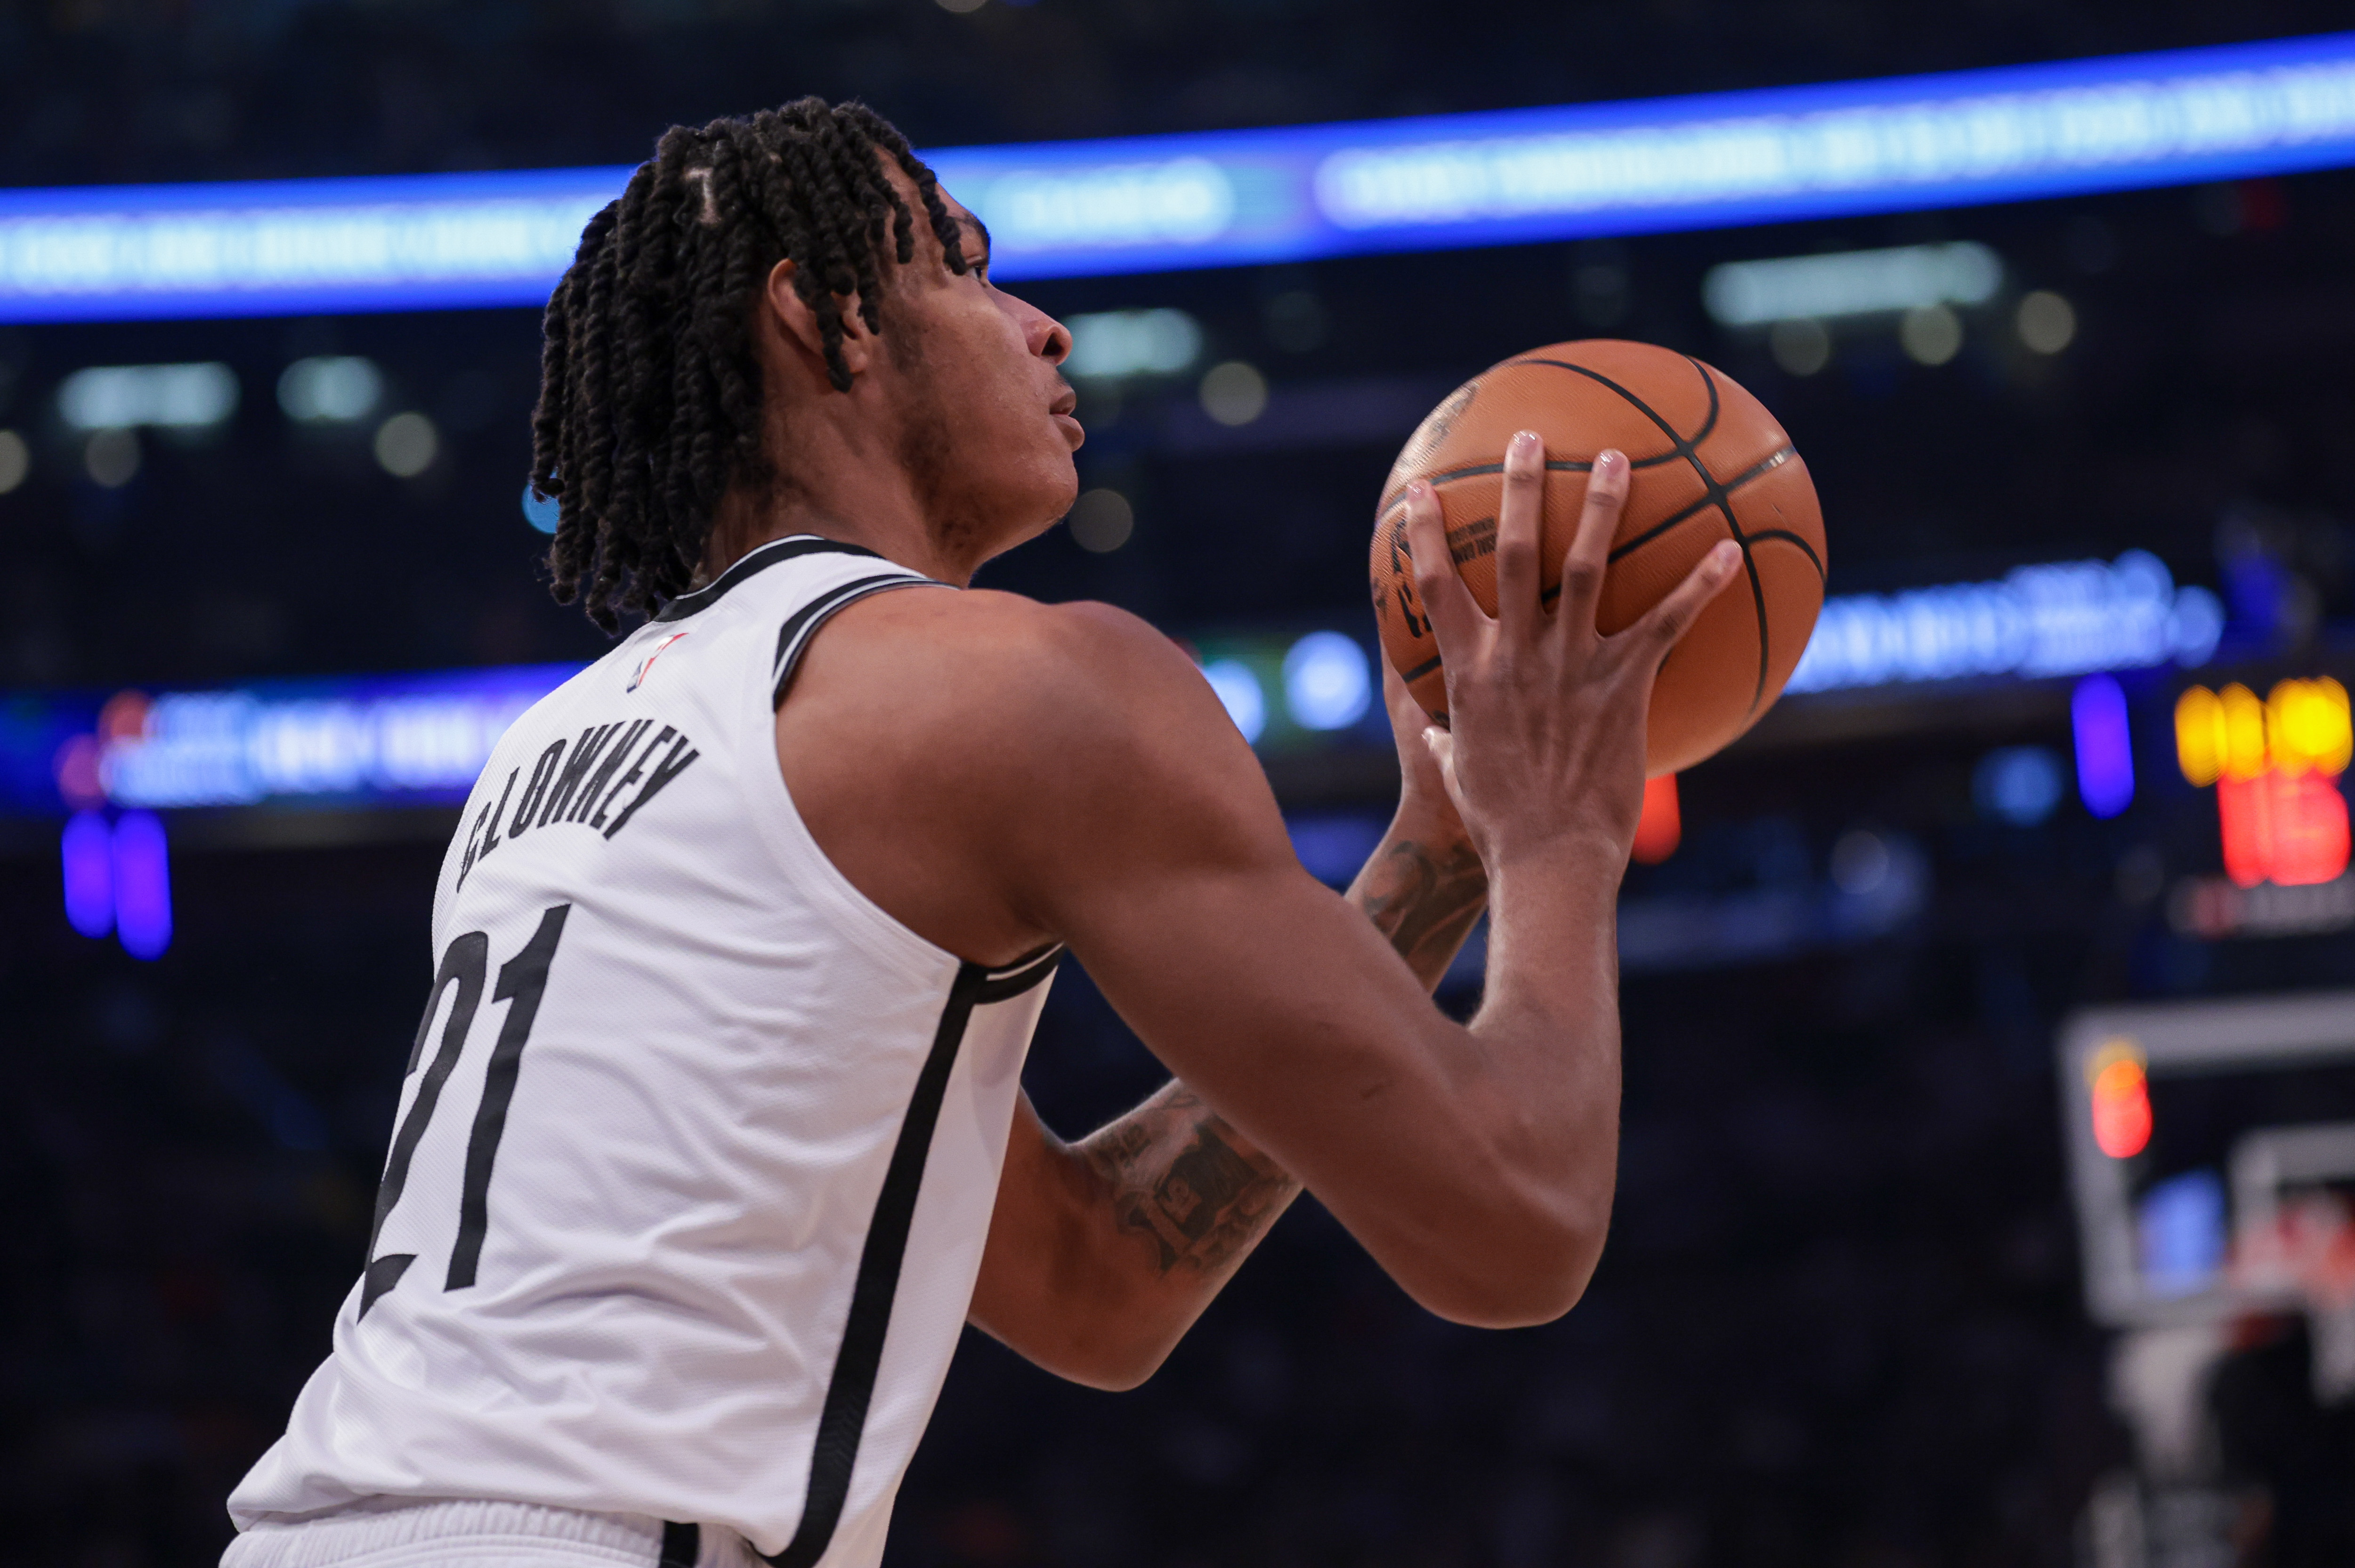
point(76, 768)
point(2122, 1109)
point(1660, 828)
point(2284, 828)
point(125, 716)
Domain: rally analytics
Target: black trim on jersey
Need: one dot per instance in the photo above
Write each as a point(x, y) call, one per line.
point(842, 1419)
point(761, 559)
point(681, 1544)
point(794, 635)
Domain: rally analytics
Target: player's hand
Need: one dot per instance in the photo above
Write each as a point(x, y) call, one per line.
point(1422, 790)
point(1545, 737)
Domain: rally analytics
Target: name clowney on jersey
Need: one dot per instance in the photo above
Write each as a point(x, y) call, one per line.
point(696, 1148)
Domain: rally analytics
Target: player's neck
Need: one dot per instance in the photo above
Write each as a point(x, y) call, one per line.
point(884, 517)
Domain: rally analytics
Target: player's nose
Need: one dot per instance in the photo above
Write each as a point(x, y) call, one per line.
point(1045, 337)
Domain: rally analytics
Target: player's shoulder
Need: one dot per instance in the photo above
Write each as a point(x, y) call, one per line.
point(1014, 700)
point(1057, 734)
point(1000, 625)
point(1005, 653)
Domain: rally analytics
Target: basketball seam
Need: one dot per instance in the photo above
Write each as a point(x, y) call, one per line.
point(1805, 547)
point(1474, 471)
point(1717, 492)
point(1707, 423)
point(1765, 467)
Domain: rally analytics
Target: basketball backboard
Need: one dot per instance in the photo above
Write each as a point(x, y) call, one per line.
point(2212, 1147)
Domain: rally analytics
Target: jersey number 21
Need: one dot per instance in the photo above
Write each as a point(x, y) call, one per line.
point(521, 981)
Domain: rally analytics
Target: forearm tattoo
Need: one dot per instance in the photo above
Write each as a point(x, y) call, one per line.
point(1183, 1179)
point(1424, 899)
point(1202, 1206)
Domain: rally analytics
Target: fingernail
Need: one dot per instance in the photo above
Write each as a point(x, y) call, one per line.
point(1524, 442)
point(1723, 555)
point(1610, 460)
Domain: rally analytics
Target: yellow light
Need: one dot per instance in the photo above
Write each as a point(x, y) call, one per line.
point(2117, 1048)
point(2308, 727)
point(2200, 739)
point(2244, 732)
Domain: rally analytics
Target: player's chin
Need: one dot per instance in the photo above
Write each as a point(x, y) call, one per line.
point(1055, 483)
point(1041, 497)
point(1055, 500)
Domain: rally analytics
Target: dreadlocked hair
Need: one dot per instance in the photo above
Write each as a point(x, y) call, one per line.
point(649, 385)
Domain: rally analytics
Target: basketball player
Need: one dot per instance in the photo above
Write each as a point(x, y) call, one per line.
point(713, 1135)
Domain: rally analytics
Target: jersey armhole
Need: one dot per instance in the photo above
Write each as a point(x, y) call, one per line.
point(779, 820)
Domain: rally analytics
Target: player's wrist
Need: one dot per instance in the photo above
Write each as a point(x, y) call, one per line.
point(1585, 856)
point(1429, 820)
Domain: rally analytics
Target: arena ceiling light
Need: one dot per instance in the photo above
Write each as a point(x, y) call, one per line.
point(1112, 344)
point(167, 397)
point(1227, 199)
point(1850, 282)
point(330, 388)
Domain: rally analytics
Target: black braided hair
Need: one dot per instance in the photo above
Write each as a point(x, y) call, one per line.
point(649, 386)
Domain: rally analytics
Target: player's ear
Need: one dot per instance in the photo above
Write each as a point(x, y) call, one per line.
point(799, 323)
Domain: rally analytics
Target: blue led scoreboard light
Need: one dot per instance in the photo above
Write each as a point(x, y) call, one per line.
point(400, 740)
point(423, 738)
point(294, 247)
point(1227, 199)
point(2060, 618)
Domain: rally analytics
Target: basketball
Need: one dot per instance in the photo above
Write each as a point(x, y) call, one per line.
point(1706, 463)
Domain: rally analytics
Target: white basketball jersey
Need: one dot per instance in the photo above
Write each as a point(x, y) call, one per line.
point(698, 1148)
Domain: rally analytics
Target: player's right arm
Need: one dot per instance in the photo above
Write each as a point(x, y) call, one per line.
point(1102, 1253)
point(1064, 773)
point(1477, 1164)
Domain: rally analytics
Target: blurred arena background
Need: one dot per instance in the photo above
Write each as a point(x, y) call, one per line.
point(1983, 1203)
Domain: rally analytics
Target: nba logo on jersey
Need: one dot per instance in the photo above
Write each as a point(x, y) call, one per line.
point(647, 663)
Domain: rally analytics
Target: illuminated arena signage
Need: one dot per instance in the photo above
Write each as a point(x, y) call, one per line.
point(422, 740)
point(1225, 199)
point(2068, 618)
point(392, 740)
point(2276, 765)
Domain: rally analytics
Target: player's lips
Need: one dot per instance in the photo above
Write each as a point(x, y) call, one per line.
point(1062, 409)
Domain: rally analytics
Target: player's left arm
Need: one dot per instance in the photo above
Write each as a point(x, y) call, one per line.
point(1102, 1253)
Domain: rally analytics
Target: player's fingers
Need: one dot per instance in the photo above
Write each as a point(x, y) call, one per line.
point(1658, 629)
point(1442, 746)
point(1520, 519)
point(1590, 548)
point(1454, 614)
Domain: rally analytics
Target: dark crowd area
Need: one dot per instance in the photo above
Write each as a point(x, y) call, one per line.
point(1836, 1321)
point(1840, 1322)
point(120, 91)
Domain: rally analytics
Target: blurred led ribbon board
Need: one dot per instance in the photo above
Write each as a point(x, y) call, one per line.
point(2062, 618)
point(422, 740)
point(418, 739)
point(1227, 199)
